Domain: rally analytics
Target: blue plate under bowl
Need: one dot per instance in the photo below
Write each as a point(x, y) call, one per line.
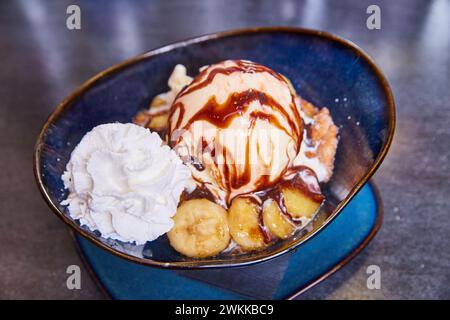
point(324, 69)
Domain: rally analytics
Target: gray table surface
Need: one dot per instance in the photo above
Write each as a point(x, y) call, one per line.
point(42, 62)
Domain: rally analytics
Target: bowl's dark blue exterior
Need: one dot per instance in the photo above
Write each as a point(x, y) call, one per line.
point(324, 69)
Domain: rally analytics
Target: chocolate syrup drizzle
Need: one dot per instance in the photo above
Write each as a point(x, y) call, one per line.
point(221, 115)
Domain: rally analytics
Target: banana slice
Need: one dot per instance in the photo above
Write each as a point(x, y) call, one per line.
point(159, 122)
point(243, 219)
point(298, 204)
point(277, 223)
point(200, 230)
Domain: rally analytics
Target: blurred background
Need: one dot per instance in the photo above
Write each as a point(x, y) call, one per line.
point(41, 62)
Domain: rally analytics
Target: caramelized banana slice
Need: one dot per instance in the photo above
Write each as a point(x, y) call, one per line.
point(200, 230)
point(159, 122)
point(243, 219)
point(274, 220)
point(298, 204)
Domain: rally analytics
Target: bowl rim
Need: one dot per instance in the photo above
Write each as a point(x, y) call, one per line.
point(201, 264)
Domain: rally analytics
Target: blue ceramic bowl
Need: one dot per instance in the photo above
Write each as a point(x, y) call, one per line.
point(325, 69)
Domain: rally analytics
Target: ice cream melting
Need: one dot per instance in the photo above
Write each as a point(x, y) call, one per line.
point(240, 121)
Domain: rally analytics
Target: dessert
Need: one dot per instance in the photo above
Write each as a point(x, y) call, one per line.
point(233, 162)
point(125, 183)
point(256, 150)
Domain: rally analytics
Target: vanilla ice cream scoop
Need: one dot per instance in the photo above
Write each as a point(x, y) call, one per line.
point(124, 183)
point(237, 126)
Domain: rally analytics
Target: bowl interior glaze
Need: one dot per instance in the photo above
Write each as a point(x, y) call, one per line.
point(324, 69)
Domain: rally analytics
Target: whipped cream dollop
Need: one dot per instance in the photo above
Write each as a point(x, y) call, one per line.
point(125, 183)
